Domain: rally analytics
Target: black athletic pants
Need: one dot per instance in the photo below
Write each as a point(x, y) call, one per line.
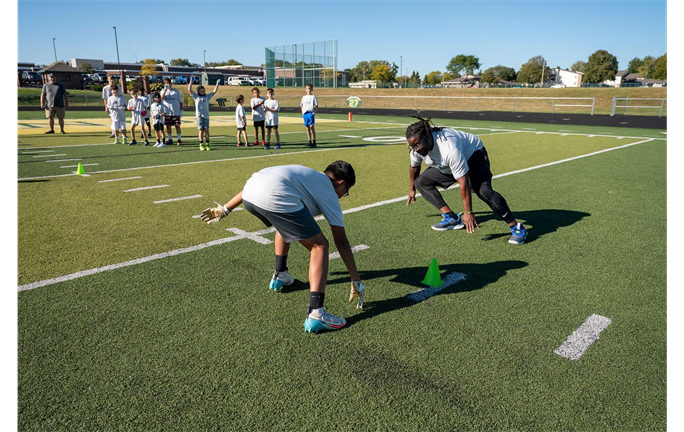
point(480, 177)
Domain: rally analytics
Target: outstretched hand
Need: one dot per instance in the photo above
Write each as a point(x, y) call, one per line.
point(411, 197)
point(469, 222)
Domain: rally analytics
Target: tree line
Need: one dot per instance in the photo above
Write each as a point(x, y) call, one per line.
point(600, 66)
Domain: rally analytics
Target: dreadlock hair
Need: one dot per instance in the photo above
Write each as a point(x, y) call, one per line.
point(422, 127)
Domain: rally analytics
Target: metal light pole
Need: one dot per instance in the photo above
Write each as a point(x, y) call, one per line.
point(205, 61)
point(122, 80)
point(54, 48)
point(401, 68)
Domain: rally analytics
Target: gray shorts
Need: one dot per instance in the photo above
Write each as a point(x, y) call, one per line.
point(202, 123)
point(293, 227)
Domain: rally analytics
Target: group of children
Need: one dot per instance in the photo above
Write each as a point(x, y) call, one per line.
point(166, 109)
point(265, 113)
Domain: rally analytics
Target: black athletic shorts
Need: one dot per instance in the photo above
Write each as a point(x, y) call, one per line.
point(272, 127)
point(159, 126)
point(479, 172)
point(259, 123)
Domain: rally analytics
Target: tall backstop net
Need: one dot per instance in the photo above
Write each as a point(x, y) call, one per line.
point(300, 64)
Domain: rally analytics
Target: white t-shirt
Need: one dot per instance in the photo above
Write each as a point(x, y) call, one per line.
point(157, 109)
point(117, 108)
point(308, 103)
point(146, 98)
point(202, 104)
point(107, 91)
point(258, 113)
point(138, 106)
point(239, 115)
point(272, 117)
point(290, 188)
point(451, 152)
point(172, 100)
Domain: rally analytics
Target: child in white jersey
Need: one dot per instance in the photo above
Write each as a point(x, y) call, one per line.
point(116, 106)
point(257, 104)
point(146, 118)
point(240, 120)
point(138, 111)
point(308, 106)
point(271, 106)
point(158, 111)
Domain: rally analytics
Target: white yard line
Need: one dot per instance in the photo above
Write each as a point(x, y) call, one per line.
point(355, 249)
point(119, 179)
point(76, 166)
point(62, 160)
point(581, 339)
point(428, 292)
point(350, 136)
point(40, 151)
point(50, 155)
point(177, 199)
point(145, 188)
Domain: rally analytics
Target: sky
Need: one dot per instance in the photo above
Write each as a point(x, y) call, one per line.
point(420, 36)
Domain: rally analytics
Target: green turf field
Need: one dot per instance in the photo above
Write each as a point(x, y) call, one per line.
point(134, 315)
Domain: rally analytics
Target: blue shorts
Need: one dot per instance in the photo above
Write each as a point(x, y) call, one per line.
point(309, 119)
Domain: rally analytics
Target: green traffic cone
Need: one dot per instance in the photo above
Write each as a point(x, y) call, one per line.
point(80, 170)
point(432, 277)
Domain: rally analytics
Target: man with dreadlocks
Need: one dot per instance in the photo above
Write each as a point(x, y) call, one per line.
point(454, 156)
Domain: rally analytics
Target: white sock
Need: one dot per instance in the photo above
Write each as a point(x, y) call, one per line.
point(178, 136)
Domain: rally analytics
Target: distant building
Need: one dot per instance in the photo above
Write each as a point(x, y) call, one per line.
point(466, 81)
point(364, 84)
point(69, 77)
point(634, 80)
point(97, 65)
point(619, 78)
point(567, 77)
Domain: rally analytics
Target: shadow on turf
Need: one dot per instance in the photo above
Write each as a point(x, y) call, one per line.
point(477, 276)
point(537, 222)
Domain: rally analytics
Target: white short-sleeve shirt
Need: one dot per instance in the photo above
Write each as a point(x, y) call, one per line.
point(107, 91)
point(451, 152)
point(272, 117)
point(146, 98)
point(172, 100)
point(239, 115)
point(117, 108)
point(309, 102)
point(157, 109)
point(257, 113)
point(290, 188)
point(202, 104)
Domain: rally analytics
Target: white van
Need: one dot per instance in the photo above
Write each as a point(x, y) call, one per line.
point(237, 81)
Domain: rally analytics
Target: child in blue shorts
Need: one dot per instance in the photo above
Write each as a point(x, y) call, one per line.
point(309, 105)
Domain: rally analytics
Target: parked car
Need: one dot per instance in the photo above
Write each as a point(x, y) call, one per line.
point(238, 81)
point(31, 77)
point(259, 81)
point(558, 86)
point(180, 79)
point(87, 79)
point(99, 77)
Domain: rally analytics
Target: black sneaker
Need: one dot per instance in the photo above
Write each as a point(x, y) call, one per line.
point(134, 142)
point(63, 133)
point(112, 136)
point(169, 142)
point(50, 131)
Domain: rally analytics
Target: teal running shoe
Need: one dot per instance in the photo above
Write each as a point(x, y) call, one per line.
point(519, 234)
point(280, 279)
point(449, 223)
point(318, 320)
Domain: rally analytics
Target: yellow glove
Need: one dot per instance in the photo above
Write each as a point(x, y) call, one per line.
point(214, 214)
point(357, 293)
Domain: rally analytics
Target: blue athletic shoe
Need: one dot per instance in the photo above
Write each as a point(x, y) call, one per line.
point(319, 320)
point(519, 233)
point(449, 223)
point(280, 279)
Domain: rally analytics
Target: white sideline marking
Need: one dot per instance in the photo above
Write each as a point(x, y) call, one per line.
point(50, 155)
point(177, 199)
point(270, 230)
point(355, 249)
point(529, 129)
point(581, 339)
point(39, 151)
point(561, 130)
point(119, 179)
point(62, 160)
point(145, 188)
point(350, 136)
point(255, 236)
point(428, 292)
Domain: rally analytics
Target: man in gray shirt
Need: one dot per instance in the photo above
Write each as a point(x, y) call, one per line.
point(54, 100)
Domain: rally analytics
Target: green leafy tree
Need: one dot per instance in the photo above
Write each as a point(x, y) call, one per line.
point(601, 66)
point(182, 62)
point(149, 68)
point(646, 69)
point(87, 68)
point(415, 78)
point(499, 72)
point(434, 77)
point(578, 66)
point(531, 72)
point(488, 76)
point(634, 64)
point(382, 73)
point(660, 67)
point(448, 76)
point(463, 64)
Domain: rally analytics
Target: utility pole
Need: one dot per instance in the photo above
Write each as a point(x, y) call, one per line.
point(543, 68)
point(205, 61)
point(401, 68)
point(122, 78)
point(54, 48)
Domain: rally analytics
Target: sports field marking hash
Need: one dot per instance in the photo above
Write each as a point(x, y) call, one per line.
point(581, 339)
